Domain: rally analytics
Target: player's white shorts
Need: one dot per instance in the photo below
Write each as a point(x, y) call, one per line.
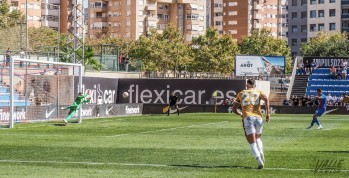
point(253, 124)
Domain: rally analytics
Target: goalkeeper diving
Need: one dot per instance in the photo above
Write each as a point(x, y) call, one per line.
point(80, 99)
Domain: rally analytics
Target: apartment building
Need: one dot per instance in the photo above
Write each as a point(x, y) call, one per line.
point(50, 14)
point(283, 19)
point(34, 10)
point(308, 17)
point(240, 17)
point(133, 18)
point(55, 14)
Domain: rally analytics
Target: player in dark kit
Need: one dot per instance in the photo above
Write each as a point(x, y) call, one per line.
point(173, 102)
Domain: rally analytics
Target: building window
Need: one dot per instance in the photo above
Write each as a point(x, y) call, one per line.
point(303, 28)
point(294, 15)
point(312, 1)
point(140, 12)
point(294, 54)
point(165, 17)
point(294, 2)
point(218, 23)
point(233, 12)
point(332, 1)
point(294, 29)
point(332, 12)
point(303, 2)
point(312, 27)
point(232, 22)
point(303, 40)
point(321, 27)
point(321, 13)
point(217, 14)
point(321, 1)
point(233, 32)
point(332, 26)
point(233, 4)
point(294, 42)
point(313, 14)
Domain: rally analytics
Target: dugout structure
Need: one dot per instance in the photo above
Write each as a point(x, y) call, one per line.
point(35, 90)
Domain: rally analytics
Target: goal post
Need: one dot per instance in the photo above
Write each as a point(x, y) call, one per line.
point(35, 90)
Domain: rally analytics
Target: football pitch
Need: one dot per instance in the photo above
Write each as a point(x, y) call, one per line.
point(189, 145)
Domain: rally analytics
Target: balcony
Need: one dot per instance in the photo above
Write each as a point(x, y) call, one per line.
point(257, 7)
point(345, 2)
point(152, 18)
point(257, 25)
point(218, 9)
point(171, 1)
point(257, 16)
point(151, 7)
point(345, 16)
point(179, 1)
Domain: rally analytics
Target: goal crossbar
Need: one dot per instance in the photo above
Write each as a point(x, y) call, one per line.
point(46, 62)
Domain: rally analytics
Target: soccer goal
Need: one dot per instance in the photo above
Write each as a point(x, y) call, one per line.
point(35, 90)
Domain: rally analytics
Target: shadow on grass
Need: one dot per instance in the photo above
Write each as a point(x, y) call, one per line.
point(59, 124)
point(203, 166)
point(333, 151)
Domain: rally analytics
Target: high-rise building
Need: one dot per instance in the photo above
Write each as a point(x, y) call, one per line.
point(208, 13)
point(282, 19)
point(133, 18)
point(50, 13)
point(240, 17)
point(308, 17)
point(33, 9)
point(55, 14)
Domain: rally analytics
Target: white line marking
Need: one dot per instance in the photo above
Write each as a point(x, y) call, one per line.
point(173, 128)
point(175, 110)
point(148, 165)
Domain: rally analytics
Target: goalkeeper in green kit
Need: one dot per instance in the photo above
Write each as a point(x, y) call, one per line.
point(80, 99)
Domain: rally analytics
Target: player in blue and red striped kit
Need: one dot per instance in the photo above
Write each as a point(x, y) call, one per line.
point(321, 98)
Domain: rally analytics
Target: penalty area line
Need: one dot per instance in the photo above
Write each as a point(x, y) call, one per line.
point(146, 165)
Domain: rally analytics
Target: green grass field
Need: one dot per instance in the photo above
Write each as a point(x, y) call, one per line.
point(189, 145)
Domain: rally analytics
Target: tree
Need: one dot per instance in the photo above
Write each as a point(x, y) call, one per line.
point(262, 43)
point(327, 44)
point(43, 39)
point(8, 18)
point(161, 51)
point(89, 61)
point(213, 52)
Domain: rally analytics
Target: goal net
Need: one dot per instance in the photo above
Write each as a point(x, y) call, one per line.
point(35, 90)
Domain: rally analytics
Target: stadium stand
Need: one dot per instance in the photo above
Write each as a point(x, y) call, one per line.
point(299, 86)
point(321, 79)
point(5, 98)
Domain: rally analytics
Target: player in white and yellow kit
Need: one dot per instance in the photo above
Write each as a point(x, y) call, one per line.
point(249, 100)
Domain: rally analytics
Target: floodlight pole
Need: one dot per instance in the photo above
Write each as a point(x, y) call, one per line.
point(11, 94)
point(80, 90)
point(26, 24)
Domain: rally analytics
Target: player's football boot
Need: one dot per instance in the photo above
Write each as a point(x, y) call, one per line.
point(260, 163)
